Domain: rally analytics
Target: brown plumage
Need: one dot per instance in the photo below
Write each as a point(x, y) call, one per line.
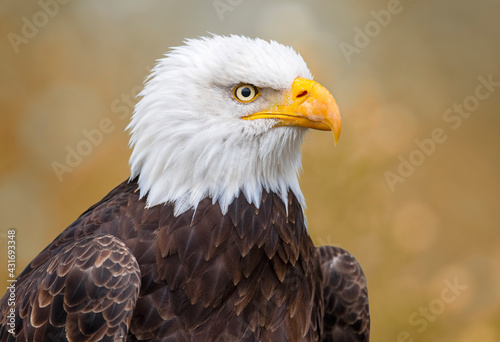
point(122, 270)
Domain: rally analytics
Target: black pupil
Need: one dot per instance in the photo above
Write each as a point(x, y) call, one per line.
point(246, 92)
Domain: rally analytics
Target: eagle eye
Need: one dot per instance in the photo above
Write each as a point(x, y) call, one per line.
point(245, 92)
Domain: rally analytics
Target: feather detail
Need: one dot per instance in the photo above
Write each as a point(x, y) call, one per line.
point(195, 276)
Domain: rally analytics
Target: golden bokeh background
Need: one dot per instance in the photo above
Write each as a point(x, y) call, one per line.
point(421, 215)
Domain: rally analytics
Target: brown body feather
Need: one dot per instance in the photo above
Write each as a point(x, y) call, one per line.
point(122, 271)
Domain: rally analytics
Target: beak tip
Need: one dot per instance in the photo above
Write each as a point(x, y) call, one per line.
point(336, 132)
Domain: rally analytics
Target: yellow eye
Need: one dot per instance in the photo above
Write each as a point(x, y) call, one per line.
point(245, 92)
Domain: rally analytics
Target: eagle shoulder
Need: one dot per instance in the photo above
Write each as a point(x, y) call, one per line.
point(87, 291)
point(345, 293)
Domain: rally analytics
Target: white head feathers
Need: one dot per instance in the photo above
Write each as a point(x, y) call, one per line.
point(188, 136)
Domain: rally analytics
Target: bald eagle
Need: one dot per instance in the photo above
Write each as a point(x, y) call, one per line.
point(207, 239)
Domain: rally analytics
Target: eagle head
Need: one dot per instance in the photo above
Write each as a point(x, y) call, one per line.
point(224, 116)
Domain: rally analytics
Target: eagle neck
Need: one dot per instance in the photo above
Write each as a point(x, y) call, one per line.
point(183, 170)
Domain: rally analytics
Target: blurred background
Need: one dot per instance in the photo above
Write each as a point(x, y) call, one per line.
point(412, 189)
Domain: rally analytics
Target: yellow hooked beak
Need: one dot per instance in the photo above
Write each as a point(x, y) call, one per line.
point(307, 104)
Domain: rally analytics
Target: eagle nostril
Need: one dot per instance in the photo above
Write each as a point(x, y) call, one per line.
point(302, 94)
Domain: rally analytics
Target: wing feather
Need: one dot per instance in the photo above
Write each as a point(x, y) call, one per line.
point(85, 292)
point(347, 316)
